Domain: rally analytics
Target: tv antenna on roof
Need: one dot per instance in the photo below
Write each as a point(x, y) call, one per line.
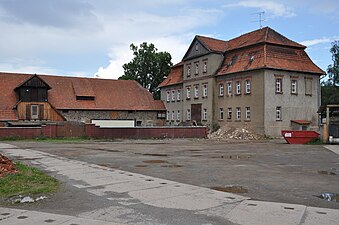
point(261, 18)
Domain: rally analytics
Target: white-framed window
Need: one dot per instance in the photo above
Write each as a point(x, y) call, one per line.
point(178, 95)
point(188, 70)
point(188, 114)
point(248, 86)
point(34, 112)
point(173, 95)
point(238, 113)
point(178, 115)
point(173, 115)
point(204, 91)
point(221, 113)
point(248, 113)
point(278, 114)
point(168, 96)
point(221, 89)
point(229, 113)
point(229, 88)
point(196, 91)
point(168, 115)
point(278, 85)
point(196, 68)
point(238, 87)
point(205, 67)
point(294, 86)
point(204, 115)
point(188, 92)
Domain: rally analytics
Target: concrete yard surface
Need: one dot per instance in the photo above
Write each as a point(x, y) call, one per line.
point(172, 182)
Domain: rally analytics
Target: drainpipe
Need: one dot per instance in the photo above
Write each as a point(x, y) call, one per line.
point(326, 125)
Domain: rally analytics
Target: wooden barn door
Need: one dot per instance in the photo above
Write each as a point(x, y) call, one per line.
point(196, 113)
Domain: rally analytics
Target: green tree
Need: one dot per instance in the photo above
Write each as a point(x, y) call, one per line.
point(333, 69)
point(148, 67)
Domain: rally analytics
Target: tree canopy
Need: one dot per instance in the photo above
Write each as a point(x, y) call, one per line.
point(330, 87)
point(148, 67)
point(333, 69)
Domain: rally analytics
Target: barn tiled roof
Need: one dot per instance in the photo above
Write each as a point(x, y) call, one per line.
point(108, 94)
point(175, 76)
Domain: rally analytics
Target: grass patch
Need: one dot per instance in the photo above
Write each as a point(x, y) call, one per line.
point(27, 181)
point(317, 141)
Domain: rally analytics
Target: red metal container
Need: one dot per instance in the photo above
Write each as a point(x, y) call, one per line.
point(299, 136)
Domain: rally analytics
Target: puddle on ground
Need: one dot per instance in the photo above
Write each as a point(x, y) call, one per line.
point(172, 166)
point(155, 154)
point(233, 157)
point(231, 189)
point(324, 172)
point(140, 166)
point(327, 196)
point(155, 161)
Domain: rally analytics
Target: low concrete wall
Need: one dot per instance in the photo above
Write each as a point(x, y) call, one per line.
point(92, 131)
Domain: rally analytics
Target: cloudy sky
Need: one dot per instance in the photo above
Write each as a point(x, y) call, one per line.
point(92, 37)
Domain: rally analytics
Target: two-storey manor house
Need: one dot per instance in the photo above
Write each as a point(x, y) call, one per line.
point(261, 79)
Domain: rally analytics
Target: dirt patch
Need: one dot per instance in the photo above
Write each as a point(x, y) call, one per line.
point(231, 189)
point(154, 161)
point(6, 166)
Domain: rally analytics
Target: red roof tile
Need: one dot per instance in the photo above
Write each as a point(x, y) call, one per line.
point(301, 122)
point(109, 94)
point(213, 44)
point(175, 75)
point(264, 35)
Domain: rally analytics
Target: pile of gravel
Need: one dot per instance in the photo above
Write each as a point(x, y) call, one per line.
point(240, 133)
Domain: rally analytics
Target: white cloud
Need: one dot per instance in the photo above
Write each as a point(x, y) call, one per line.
point(318, 41)
point(275, 8)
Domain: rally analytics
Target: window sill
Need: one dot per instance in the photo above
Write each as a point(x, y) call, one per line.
point(188, 98)
point(237, 121)
point(196, 97)
point(248, 93)
point(294, 93)
point(278, 120)
point(247, 120)
point(278, 93)
point(238, 94)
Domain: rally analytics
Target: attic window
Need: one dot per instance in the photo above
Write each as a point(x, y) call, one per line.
point(196, 47)
point(229, 63)
point(90, 98)
point(252, 58)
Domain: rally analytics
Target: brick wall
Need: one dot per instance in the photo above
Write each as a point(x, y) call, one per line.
point(145, 132)
point(92, 131)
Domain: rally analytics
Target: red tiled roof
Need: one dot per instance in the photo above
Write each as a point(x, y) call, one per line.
point(109, 94)
point(264, 35)
point(213, 44)
point(301, 122)
point(175, 76)
point(268, 56)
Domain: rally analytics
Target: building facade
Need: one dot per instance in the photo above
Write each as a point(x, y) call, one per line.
point(260, 80)
point(28, 99)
